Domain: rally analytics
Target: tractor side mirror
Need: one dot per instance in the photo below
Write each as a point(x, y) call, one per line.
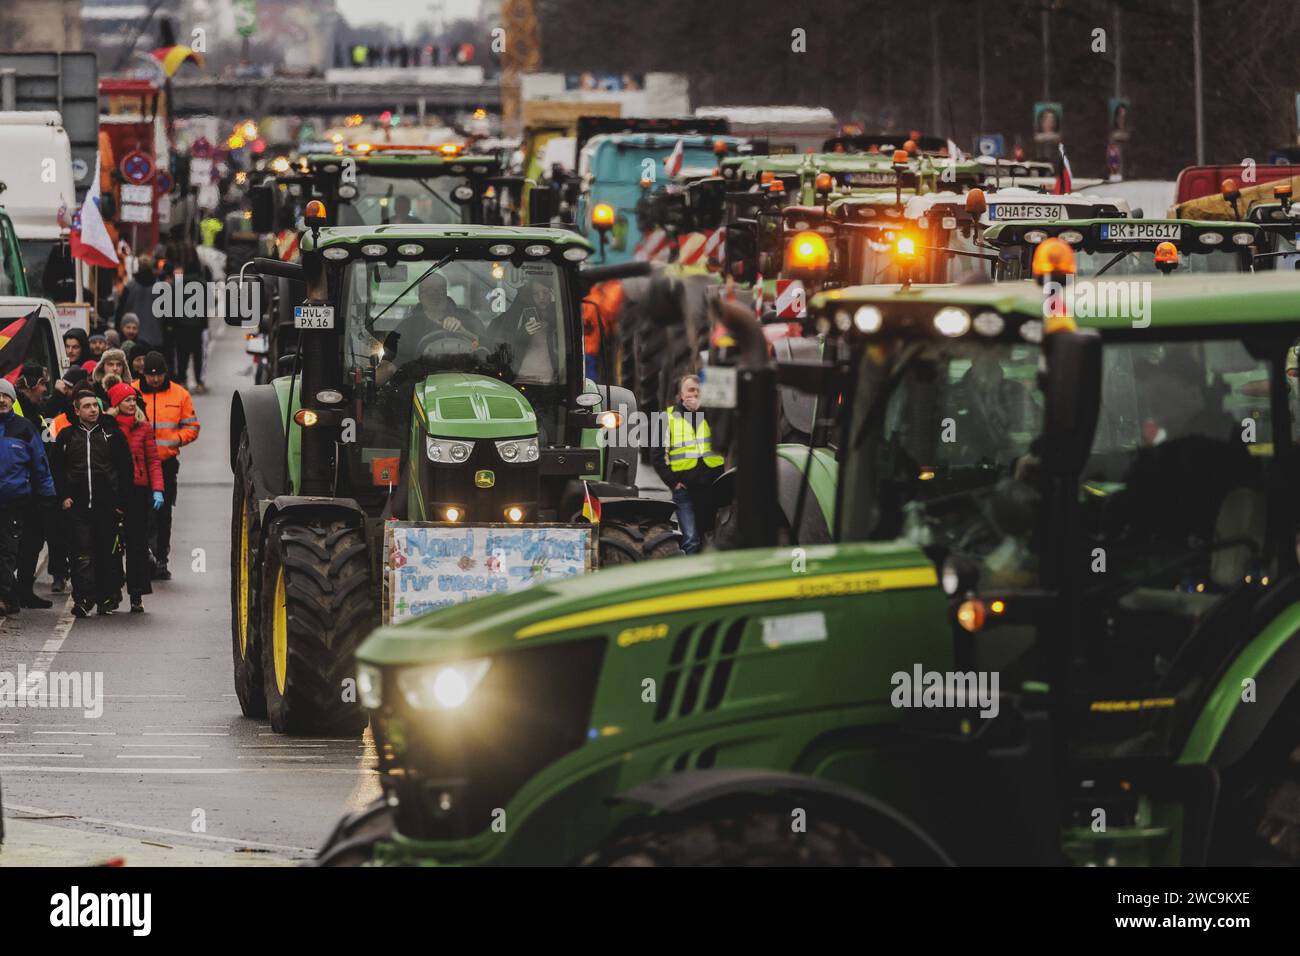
point(284, 364)
point(1073, 399)
point(542, 206)
point(262, 199)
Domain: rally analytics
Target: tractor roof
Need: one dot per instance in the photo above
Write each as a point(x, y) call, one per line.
point(1176, 302)
point(427, 162)
point(440, 239)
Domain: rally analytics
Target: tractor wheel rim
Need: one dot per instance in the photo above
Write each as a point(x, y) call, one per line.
point(280, 633)
point(243, 586)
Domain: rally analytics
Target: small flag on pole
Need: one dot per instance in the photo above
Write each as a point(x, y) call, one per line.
point(90, 240)
point(673, 164)
point(590, 505)
point(1064, 179)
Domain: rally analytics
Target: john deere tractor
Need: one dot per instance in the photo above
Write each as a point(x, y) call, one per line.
point(435, 377)
point(1059, 622)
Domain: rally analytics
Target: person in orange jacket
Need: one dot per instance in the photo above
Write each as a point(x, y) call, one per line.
point(171, 415)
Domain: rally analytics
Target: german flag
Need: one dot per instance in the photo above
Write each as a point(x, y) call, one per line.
point(14, 341)
point(590, 505)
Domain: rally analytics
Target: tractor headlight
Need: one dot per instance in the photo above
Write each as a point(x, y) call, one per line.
point(347, 191)
point(442, 686)
point(445, 451)
point(370, 684)
point(517, 450)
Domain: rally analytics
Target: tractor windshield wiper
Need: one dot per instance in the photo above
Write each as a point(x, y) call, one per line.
point(1118, 256)
point(370, 323)
point(456, 213)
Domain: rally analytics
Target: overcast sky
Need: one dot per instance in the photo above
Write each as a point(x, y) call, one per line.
point(405, 13)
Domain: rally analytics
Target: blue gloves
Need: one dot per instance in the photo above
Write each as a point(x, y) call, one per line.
point(157, 500)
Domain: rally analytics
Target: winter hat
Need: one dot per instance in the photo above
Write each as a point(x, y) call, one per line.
point(154, 364)
point(75, 375)
point(32, 373)
point(112, 338)
point(98, 337)
point(89, 365)
point(110, 354)
point(118, 392)
point(129, 317)
point(7, 388)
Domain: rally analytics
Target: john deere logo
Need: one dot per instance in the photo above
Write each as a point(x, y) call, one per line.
point(484, 478)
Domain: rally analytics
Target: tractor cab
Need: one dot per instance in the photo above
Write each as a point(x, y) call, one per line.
point(1132, 247)
point(375, 185)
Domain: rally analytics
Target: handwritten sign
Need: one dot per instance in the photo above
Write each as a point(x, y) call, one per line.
point(428, 567)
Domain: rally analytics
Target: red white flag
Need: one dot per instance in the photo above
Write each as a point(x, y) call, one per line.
point(90, 239)
point(673, 164)
point(1064, 179)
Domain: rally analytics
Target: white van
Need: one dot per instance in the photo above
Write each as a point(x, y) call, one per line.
point(46, 345)
point(38, 192)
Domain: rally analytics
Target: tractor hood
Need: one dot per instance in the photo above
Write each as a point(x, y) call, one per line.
point(465, 405)
point(632, 596)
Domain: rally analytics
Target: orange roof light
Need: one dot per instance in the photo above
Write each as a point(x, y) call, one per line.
point(1229, 189)
point(645, 182)
point(807, 252)
point(776, 186)
point(720, 147)
point(1282, 189)
point(872, 149)
point(1053, 257)
point(905, 248)
point(900, 157)
point(910, 146)
point(765, 177)
point(976, 202)
point(315, 211)
point(1167, 254)
point(824, 182)
point(363, 147)
point(451, 149)
point(914, 134)
point(602, 216)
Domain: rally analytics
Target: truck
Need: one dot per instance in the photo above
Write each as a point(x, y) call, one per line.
point(38, 194)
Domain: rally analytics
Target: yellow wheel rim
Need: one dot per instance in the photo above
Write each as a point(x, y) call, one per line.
point(280, 633)
point(243, 586)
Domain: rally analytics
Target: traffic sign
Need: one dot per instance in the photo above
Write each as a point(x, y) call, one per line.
point(162, 183)
point(990, 144)
point(136, 167)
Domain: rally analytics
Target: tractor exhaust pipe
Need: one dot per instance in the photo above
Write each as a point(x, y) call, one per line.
point(755, 426)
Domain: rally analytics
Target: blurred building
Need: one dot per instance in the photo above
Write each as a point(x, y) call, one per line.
point(27, 25)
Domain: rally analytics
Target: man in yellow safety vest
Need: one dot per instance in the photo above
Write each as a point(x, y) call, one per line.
point(687, 463)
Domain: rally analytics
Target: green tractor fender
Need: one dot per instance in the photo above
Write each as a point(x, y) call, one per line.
point(819, 499)
point(1228, 727)
point(257, 412)
point(690, 792)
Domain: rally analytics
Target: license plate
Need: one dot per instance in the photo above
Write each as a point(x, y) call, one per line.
point(313, 316)
point(1024, 210)
point(255, 345)
point(718, 387)
point(1140, 231)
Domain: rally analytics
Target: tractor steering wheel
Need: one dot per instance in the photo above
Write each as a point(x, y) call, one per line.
point(432, 338)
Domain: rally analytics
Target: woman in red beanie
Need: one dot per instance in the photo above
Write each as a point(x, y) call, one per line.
point(147, 490)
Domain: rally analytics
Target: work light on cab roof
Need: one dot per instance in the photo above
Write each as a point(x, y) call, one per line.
point(1053, 257)
point(807, 253)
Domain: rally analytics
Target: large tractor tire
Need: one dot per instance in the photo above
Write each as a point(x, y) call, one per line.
point(245, 621)
point(353, 841)
point(628, 541)
point(741, 832)
point(316, 609)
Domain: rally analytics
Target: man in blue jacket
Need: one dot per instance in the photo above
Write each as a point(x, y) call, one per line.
point(24, 472)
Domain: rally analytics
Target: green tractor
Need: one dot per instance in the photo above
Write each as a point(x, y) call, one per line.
point(435, 380)
point(1059, 622)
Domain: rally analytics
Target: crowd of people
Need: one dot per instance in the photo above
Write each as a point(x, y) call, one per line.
point(89, 461)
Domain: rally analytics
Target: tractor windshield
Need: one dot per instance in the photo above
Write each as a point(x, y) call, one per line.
point(939, 452)
point(491, 317)
point(381, 200)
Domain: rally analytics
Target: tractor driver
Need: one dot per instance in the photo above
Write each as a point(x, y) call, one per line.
point(437, 311)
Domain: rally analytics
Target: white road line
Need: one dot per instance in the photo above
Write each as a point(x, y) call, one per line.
point(147, 696)
point(327, 740)
point(270, 746)
point(46, 756)
point(284, 757)
point(204, 746)
point(185, 772)
point(51, 647)
point(158, 757)
point(75, 733)
point(232, 841)
point(178, 733)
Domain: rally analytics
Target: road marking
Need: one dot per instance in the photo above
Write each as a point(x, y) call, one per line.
point(178, 770)
point(205, 746)
point(44, 757)
point(328, 740)
point(75, 733)
point(158, 757)
point(196, 733)
point(147, 696)
point(45, 658)
point(179, 833)
point(284, 757)
point(269, 746)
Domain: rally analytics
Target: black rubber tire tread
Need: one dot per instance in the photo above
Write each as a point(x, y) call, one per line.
point(249, 687)
point(328, 603)
point(353, 840)
point(741, 831)
point(626, 542)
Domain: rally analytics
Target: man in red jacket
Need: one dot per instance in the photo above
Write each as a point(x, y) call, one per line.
point(171, 415)
point(145, 493)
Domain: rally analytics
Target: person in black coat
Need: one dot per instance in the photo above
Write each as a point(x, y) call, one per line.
point(93, 474)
